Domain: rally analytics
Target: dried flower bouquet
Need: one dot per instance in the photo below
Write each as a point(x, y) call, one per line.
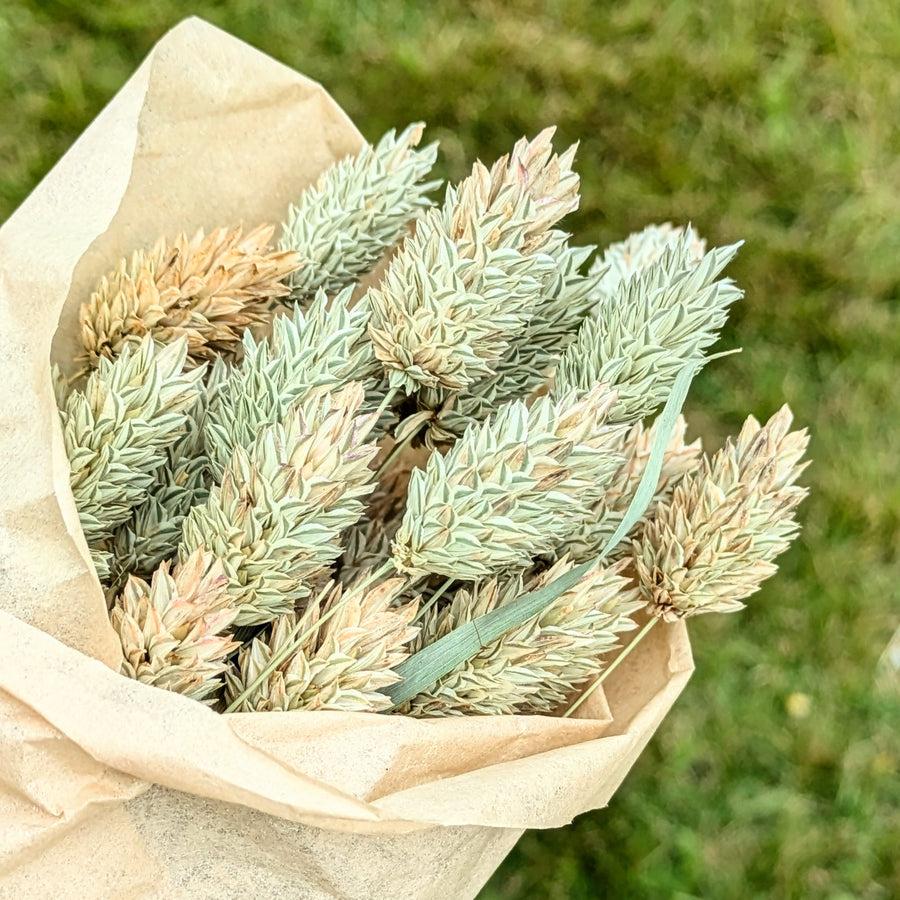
point(439, 495)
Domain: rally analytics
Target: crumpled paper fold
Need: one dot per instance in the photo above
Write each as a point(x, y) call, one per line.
point(110, 788)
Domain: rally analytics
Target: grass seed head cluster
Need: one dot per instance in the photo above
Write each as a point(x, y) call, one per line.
point(290, 487)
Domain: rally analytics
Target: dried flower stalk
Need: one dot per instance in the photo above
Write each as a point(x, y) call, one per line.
point(663, 317)
point(260, 478)
point(171, 630)
point(207, 289)
point(509, 489)
point(344, 661)
point(713, 543)
point(359, 208)
point(117, 431)
point(471, 274)
point(276, 517)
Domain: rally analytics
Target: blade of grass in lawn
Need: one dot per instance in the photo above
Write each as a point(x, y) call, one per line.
point(421, 671)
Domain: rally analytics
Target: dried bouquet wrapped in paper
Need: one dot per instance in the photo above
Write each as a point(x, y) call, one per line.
point(385, 512)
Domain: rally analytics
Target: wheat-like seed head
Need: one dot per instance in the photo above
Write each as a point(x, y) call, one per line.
point(660, 319)
point(208, 289)
point(523, 195)
point(623, 259)
point(358, 209)
point(565, 299)
point(322, 348)
point(354, 641)
point(277, 515)
point(510, 489)
point(367, 546)
point(713, 542)
point(606, 514)
point(117, 431)
point(152, 533)
point(171, 630)
point(473, 273)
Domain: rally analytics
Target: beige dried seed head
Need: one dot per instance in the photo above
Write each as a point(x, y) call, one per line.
point(621, 260)
point(277, 516)
point(359, 208)
point(473, 273)
point(171, 630)
point(356, 639)
point(510, 489)
point(531, 172)
point(713, 543)
point(208, 288)
point(117, 431)
point(367, 547)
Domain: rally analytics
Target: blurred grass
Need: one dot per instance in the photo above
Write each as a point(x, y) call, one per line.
point(778, 772)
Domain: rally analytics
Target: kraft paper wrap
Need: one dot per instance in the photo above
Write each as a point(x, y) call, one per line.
point(110, 788)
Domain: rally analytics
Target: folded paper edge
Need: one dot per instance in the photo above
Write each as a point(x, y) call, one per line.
point(238, 770)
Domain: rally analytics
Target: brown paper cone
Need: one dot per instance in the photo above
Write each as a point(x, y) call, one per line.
point(111, 788)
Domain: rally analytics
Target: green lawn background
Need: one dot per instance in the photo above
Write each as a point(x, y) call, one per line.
point(776, 775)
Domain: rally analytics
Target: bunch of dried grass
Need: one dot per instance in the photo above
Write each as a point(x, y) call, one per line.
point(519, 500)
